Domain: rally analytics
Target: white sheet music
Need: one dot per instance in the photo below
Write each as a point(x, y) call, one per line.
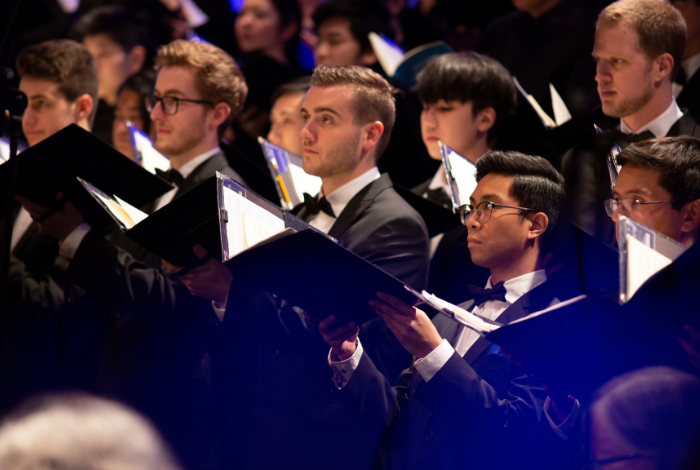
point(463, 171)
point(150, 157)
point(642, 263)
point(304, 182)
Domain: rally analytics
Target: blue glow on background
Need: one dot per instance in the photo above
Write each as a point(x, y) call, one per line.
point(236, 5)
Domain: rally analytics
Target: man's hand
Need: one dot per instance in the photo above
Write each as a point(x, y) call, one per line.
point(210, 281)
point(692, 347)
point(59, 224)
point(343, 340)
point(412, 327)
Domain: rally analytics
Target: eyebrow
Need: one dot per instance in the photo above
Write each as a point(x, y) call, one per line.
point(169, 92)
point(640, 191)
point(322, 110)
point(40, 95)
point(488, 197)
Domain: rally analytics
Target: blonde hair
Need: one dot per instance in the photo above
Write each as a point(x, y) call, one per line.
point(660, 28)
point(372, 98)
point(217, 77)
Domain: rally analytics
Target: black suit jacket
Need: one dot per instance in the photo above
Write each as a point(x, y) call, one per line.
point(478, 411)
point(588, 180)
point(136, 333)
point(277, 402)
point(690, 96)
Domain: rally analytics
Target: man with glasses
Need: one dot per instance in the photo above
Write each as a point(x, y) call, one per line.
point(462, 400)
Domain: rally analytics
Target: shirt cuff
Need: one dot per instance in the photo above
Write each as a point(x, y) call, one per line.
point(72, 242)
point(562, 430)
point(343, 370)
point(219, 311)
point(433, 362)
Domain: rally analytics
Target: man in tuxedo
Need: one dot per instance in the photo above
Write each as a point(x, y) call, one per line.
point(638, 48)
point(461, 400)
point(135, 331)
point(465, 99)
point(686, 87)
point(271, 370)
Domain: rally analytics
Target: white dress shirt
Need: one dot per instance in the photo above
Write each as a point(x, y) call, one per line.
point(659, 126)
point(340, 198)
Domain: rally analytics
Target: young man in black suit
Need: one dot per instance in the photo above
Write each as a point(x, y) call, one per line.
point(272, 372)
point(462, 401)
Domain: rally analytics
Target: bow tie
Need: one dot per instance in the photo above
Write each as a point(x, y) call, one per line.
point(439, 196)
point(171, 176)
point(481, 296)
point(314, 205)
point(623, 140)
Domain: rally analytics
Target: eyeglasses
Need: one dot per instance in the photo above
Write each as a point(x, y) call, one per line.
point(629, 206)
point(483, 211)
point(597, 463)
point(169, 104)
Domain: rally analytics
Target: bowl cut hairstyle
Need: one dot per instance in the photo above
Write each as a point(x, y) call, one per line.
point(536, 184)
point(677, 159)
point(365, 16)
point(372, 98)
point(217, 77)
point(66, 63)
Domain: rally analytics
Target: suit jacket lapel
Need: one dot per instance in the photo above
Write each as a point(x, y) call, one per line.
point(686, 125)
point(358, 204)
point(206, 169)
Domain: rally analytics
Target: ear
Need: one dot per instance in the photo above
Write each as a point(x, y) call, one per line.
point(664, 66)
point(83, 108)
point(372, 133)
point(485, 119)
point(691, 217)
point(219, 114)
point(137, 57)
point(368, 58)
point(538, 224)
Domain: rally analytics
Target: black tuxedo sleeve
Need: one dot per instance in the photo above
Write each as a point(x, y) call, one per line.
point(30, 294)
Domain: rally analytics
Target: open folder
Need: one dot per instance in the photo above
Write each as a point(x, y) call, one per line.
point(460, 174)
point(219, 214)
point(643, 252)
point(287, 170)
point(144, 152)
point(52, 165)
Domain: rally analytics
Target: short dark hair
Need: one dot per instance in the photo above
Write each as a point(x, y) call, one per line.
point(677, 159)
point(142, 83)
point(469, 76)
point(290, 13)
point(365, 16)
point(536, 184)
point(298, 86)
point(372, 97)
point(121, 24)
point(66, 63)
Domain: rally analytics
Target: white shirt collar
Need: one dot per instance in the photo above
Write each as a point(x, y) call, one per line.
point(521, 285)
point(186, 169)
point(439, 181)
point(341, 196)
point(659, 126)
point(690, 66)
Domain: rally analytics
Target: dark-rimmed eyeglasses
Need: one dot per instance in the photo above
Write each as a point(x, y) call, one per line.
point(483, 211)
point(598, 463)
point(629, 206)
point(169, 104)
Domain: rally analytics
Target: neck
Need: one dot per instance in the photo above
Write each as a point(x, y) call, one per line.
point(84, 124)
point(475, 151)
point(180, 159)
point(690, 239)
point(659, 103)
point(541, 9)
point(528, 263)
point(331, 183)
point(692, 48)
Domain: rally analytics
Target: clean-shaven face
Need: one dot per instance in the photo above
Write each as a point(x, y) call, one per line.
point(451, 122)
point(48, 111)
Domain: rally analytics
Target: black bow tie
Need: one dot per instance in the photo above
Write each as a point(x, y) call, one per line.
point(439, 196)
point(623, 140)
point(681, 78)
point(171, 176)
point(481, 296)
point(314, 205)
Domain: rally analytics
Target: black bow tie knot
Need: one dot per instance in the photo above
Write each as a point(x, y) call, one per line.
point(171, 176)
point(314, 205)
point(482, 295)
point(439, 196)
point(623, 140)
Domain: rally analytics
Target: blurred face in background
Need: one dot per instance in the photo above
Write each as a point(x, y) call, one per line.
point(337, 46)
point(454, 124)
point(114, 64)
point(259, 27)
point(128, 107)
point(286, 122)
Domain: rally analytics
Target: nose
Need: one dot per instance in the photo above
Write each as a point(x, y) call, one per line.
point(157, 114)
point(29, 118)
point(119, 126)
point(307, 132)
point(602, 72)
point(321, 52)
point(428, 116)
point(274, 134)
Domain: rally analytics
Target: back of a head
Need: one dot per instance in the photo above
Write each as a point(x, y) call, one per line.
point(659, 26)
point(469, 76)
point(372, 98)
point(64, 62)
point(676, 159)
point(365, 16)
point(76, 431)
point(536, 183)
point(656, 410)
point(216, 75)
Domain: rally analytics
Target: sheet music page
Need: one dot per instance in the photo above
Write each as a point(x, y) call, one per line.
point(463, 172)
point(389, 55)
point(248, 223)
point(150, 157)
point(304, 182)
point(135, 214)
point(112, 205)
point(459, 314)
point(642, 263)
point(561, 112)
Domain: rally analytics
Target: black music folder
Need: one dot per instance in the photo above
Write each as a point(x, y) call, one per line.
point(55, 163)
point(437, 218)
point(311, 271)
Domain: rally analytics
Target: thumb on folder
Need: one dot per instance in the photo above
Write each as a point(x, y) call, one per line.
point(210, 281)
